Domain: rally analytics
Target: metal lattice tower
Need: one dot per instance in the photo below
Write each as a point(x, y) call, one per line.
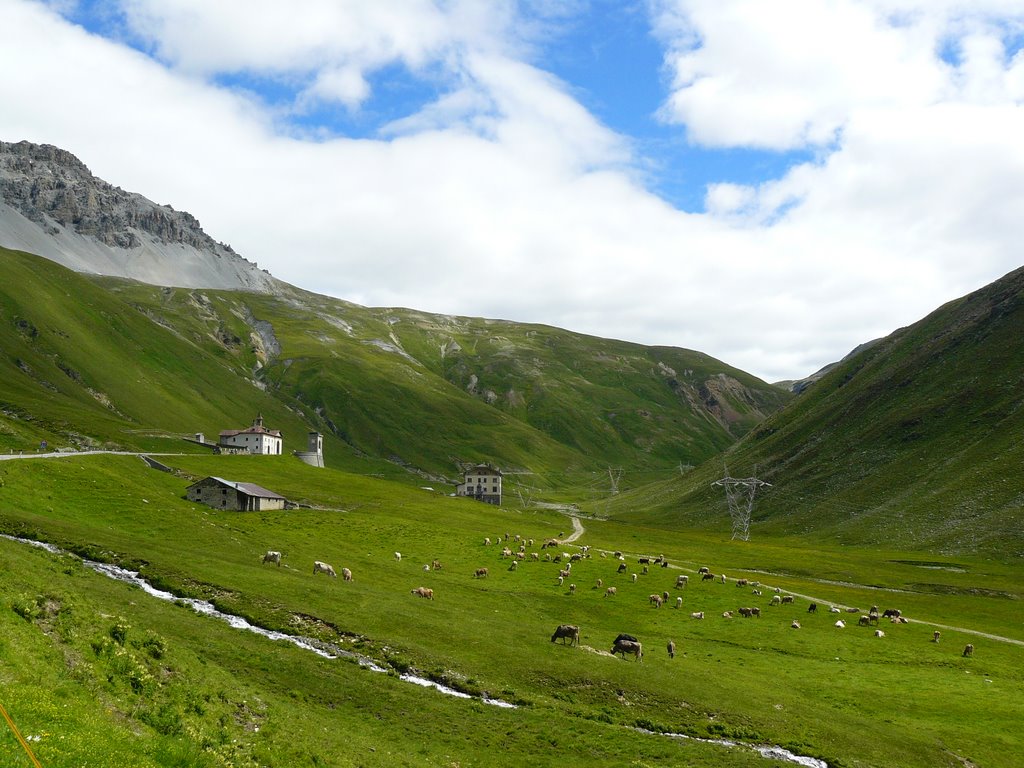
point(615, 475)
point(739, 493)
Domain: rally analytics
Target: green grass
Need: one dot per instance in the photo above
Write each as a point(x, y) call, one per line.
point(842, 695)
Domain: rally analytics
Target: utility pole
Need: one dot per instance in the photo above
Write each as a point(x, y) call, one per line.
point(739, 493)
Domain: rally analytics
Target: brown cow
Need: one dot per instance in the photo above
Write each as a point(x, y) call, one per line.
point(564, 631)
point(628, 646)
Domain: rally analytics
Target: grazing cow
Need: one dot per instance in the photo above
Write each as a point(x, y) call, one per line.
point(681, 581)
point(423, 592)
point(795, 624)
point(935, 636)
point(634, 578)
point(679, 602)
point(703, 569)
point(628, 646)
point(600, 583)
point(481, 573)
point(671, 647)
point(889, 613)
point(609, 592)
point(513, 565)
point(741, 582)
point(436, 565)
point(864, 621)
point(812, 608)
point(506, 552)
point(755, 612)
point(841, 624)
point(645, 570)
point(622, 567)
point(346, 574)
point(746, 613)
point(707, 576)
point(272, 557)
point(723, 578)
point(319, 567)
point(665, 596)
point(776, 600)
point(664, 563)
point(560, 579)
point(655, 600)
point(535, 556)
point(968, 650)
point(426, 567)
point(572, 589)
point(487, 541)
point(787, 598)
point(398, 556)
point(756, 592)
point(853, 610)
point(643, 560)
point(879, 633)
point(564, 631)
point(697, 615)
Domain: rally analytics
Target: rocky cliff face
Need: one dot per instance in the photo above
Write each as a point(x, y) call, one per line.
point(52, 205)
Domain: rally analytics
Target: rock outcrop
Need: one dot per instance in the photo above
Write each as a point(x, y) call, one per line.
point(52, 205)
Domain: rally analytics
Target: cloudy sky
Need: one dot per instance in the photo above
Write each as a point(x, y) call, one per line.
point(771, 182)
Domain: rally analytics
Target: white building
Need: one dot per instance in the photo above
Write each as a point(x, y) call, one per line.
point(482, 483)
point(255, 439)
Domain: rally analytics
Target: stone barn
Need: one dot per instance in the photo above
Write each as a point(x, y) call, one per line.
point(219, 493)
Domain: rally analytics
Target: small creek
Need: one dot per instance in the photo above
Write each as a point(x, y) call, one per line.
point(330, 651)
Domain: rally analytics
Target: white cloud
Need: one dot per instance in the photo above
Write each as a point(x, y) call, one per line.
point(506, 198)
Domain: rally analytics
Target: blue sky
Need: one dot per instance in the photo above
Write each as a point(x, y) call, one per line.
point(770, 183)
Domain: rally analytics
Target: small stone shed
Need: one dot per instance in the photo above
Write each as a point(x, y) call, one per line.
point(219, 493)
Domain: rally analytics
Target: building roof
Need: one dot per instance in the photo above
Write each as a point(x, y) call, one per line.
point(249, 489)
point(250, 431)
point(483, 469)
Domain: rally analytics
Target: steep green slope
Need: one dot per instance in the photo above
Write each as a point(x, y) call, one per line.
point(914, 442)
point(431, 391)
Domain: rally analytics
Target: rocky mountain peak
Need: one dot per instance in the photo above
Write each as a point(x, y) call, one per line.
point(52, 205)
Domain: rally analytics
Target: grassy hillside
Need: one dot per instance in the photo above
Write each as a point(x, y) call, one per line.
point(109, 362)
point(99, 671)
point(913, 443)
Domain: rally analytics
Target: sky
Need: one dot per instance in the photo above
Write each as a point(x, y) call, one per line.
point(769, 182)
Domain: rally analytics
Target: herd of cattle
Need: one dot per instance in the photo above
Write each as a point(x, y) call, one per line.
point(624, 643)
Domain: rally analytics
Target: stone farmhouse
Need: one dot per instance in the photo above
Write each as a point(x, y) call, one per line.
point(255, 439)
point(219, 493)
point(483, 483)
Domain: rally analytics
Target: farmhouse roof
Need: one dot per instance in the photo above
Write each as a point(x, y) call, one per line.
point(250, 489)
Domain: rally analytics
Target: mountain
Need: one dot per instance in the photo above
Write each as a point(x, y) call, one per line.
point(914, 442)
point(217, 339)
point(106, 361)
point(51, 205)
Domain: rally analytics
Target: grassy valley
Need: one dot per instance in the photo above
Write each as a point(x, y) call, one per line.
point(892, 486)
point(178, 688)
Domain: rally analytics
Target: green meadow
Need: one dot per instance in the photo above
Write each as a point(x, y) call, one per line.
point(97, 672)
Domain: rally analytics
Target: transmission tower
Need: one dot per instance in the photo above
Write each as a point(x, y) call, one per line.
point(739, 493)
point(615, 475)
